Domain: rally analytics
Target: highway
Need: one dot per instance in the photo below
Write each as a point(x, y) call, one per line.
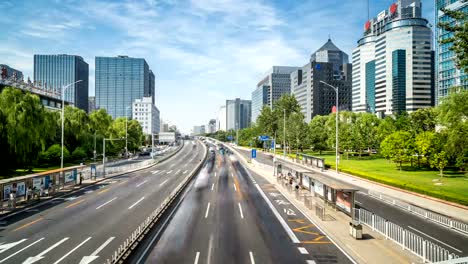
point(89, 225)
point(231, 215)
point(445, 237)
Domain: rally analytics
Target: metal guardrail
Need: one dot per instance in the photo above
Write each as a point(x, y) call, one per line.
point(435, 217)
point(130, 243)
point(428, 251)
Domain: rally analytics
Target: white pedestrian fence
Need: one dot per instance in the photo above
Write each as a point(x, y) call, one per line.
point(427, 250)
point(435, 217)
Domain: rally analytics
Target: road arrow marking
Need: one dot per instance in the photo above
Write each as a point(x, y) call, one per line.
point(5, 259)
point(41, 255)
point(93, 256)
point(71, 251)
point(5, 247)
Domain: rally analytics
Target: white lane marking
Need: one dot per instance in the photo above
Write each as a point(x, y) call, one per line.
point(215, 174)
point(251, 257)
point(177, 172)
point(232, 174)
point(41, 255)
point(154, 172)
point(143, 182)
point(169, 172)
point(278, 216)
point(19, 251)
point(185, 171)
point(212, 186)
point(207, 210)
point(137, 202)
point(240, 210)
point(5, 247)
point(197, 257)
point(435, 239)
point(303, 250)
point(210, 247)
point(172, 165)
point(71, 251)
point(106, 203)
point(311, 262)
point(235, 188)
point(94, 256)
point(162, 183)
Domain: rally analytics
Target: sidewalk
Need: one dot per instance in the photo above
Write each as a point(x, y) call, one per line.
point(373, 248)
point(442, 207)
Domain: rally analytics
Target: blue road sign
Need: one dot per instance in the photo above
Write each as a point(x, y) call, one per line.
point(272, 144)
point(318, 66)
point(263, 138)
point(230, 138)
point(254, 153)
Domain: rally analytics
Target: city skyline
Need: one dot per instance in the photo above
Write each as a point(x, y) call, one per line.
point(195, 50)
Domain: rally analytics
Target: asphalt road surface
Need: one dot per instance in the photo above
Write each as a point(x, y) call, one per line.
point(88, 226)
point(231, 215)
point(447, 238)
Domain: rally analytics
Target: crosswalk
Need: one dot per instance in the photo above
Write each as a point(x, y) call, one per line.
point(64, 250)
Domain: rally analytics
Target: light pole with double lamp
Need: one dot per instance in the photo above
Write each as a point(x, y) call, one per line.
point(337, 119)
point(64, 88)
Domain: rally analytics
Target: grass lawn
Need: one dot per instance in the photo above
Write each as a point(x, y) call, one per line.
point(453, 186)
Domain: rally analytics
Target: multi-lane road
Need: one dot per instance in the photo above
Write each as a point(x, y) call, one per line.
point(89, 225)
point(445, 237)
point(231, 215)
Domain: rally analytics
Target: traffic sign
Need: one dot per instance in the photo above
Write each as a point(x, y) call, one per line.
point(230, 138)
point(263, 138)
point(272, 144)
point(254, 153)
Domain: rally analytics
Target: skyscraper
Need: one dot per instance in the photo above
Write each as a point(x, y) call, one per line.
point(119, 81)
point(147, 114)
point(221, 119)
point(393, 64)
point(448, 75)
point(238, 113)
point(276, 83)
point(54, 71)
point(328, 64)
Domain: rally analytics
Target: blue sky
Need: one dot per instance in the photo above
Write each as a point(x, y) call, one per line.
point(202, 51)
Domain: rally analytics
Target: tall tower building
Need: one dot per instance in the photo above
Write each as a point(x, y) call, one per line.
point(54, 71)
point(120, 81)
point(238, 113)
point(448, 75)
point(328, 64)
point(393, 64)
point(275, 84)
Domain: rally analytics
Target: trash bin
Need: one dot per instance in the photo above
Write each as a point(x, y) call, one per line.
point(355, 229)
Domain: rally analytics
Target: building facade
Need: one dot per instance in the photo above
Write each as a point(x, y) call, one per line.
point(198, 130)
point(329, 65)
point(238, 113)
point(52, 72)
point(7, 72)
point(120, 81)
point(448, 75)
point(276, 83)
point(393, 65)
point(92, 104)
point(147, 114)
point(221, 120)
point(211, 126)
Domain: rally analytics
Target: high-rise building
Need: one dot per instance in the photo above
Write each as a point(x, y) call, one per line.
point(8, 72)
point(221, 120)
point(393, 64)
point(198, 130)
point(238, 113)
point(448, 75)
point(276, 83)
point(120, 81)
point(211, 127)
point(92, 104)
point(52, 72)
point(329, 64)
point(164, 127)
point(147, 114)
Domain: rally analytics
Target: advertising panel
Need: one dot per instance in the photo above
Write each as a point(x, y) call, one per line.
point(306, 182)
point(343, 200)
point(69, 177)
point(20, 189)
point(6, 191)
point(318, 188)
point(37, 182)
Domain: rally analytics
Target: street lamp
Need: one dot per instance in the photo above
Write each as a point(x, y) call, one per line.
point(337, 113)
point(63, 110)
point(284, 134)
point(126, 129)
point(104, 153)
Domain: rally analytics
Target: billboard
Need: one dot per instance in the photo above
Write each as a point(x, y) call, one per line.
point(6, 191)
point(20, 189)
point(343, 200)
point(318, 188)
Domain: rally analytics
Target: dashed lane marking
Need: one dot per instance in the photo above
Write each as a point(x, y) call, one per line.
point(71, 251)
point(143, 182)
point(251, 257)
point(207, 210)
point(28, 224)
point(137, 202)
point(197, 256)
point(75, 203)
point(303, 250)
point(106, 203)
point(240, 210)
point(169, 172)
point(162, 183)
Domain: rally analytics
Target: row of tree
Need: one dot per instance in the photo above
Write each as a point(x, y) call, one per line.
point(432, 137)
point(30, 135)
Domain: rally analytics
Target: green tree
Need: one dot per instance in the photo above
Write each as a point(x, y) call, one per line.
point(423, 119)
point(284, 107)
point(318, 136)
point(427, 144)
point(117, 130)
point(364, 132)
point(76, 128)
point(296, 133)
point(458, 29)
point(53, 155)
point(386, 127)
point(267, 122)
point(439, 161)
point(398, 147)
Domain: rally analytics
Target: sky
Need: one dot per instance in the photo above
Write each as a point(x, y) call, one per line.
point(201, 51)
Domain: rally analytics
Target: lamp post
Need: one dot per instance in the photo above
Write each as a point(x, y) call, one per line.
point(337, 114)
point(104, 153)
point(126, 131)
point(284, 134)
point(62, 116)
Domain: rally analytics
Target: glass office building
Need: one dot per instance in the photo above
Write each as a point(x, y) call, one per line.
point(238, 113)
point(120, 81)
point(52, 72)
point(259, 99)
point(448, 75)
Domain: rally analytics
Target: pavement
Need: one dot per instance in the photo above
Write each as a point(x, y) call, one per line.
point(447, 238)
point(232, 215)
point(88, 226)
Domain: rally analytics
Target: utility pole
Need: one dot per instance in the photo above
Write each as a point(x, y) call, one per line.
point(237, 133)
point(337, 153)
point(126, 129)
point(284, 134)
